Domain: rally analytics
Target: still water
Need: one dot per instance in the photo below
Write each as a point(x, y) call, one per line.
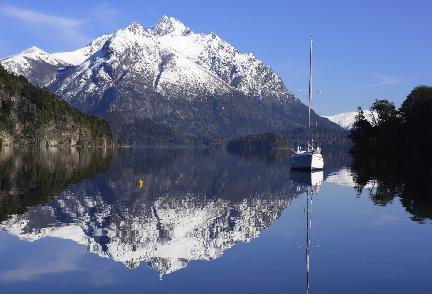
point(200, 221)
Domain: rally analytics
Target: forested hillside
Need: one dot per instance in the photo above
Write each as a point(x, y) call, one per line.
point(30, 115)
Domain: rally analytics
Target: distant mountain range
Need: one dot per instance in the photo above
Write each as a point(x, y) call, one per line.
point(167, 77)
point(347, 119)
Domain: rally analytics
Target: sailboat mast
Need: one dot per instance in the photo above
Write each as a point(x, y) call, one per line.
point(307, 242)
point(310, 90)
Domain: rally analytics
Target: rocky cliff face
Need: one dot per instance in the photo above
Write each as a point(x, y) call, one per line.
point(194, 84)
point(33, 116)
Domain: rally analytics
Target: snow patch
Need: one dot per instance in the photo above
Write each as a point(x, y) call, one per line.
point(347, 119)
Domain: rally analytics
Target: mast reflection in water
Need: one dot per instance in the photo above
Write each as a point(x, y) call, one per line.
point(311, 180)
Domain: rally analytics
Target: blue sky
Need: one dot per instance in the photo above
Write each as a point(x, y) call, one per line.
point(364, 50)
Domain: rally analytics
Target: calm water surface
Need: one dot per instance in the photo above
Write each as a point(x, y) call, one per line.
point(197, 221)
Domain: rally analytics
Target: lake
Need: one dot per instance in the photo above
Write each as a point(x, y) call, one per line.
point(208, 221)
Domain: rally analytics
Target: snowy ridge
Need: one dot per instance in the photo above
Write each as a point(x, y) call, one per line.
point(80, 55)
point(21, 62)
point(26, 61)
point(241, 71)
point(347, 119)
point(186, 63)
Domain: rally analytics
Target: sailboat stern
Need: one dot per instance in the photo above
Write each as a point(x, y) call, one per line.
point(317, 161)
point(307, 161)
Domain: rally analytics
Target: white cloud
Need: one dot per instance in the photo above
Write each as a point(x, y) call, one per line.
point(385, 80)
point(68, 28)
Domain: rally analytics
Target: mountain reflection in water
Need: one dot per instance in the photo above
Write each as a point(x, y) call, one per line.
point(162, 207)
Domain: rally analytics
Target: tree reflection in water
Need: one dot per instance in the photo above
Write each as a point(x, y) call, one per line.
point(393, 176)
point(31, 176)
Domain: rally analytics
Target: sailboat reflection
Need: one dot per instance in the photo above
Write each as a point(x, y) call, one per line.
point(308, 179)
point(312, 181)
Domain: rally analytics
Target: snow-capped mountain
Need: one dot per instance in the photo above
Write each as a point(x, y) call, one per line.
point(195, 83)
point(172, 61)
point(35, 64)
point(347, 119)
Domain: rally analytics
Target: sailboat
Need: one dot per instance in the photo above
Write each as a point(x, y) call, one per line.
point(311, 158)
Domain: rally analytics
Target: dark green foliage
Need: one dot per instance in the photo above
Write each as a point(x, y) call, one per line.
point(326, 138)
point(416, 116)
point(34, 108)
point(361, 132)
point(258, 142)
point(406, 129)
point(145, 132)
point(386, 113)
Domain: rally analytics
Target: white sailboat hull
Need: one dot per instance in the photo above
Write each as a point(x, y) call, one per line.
point(307, 160)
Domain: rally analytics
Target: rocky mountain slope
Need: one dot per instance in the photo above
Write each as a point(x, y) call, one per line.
point(195, 84)
point(33, 116)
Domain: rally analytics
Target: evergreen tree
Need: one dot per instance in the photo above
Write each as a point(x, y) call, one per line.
point(361, 132)
point(396, 130)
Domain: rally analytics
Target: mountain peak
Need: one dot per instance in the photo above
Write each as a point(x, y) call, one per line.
point(99, 40)
point(170, 26)
point(33, 49)
point(135, 27)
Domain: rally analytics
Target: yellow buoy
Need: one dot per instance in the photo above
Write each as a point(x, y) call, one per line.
point(140, 183)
